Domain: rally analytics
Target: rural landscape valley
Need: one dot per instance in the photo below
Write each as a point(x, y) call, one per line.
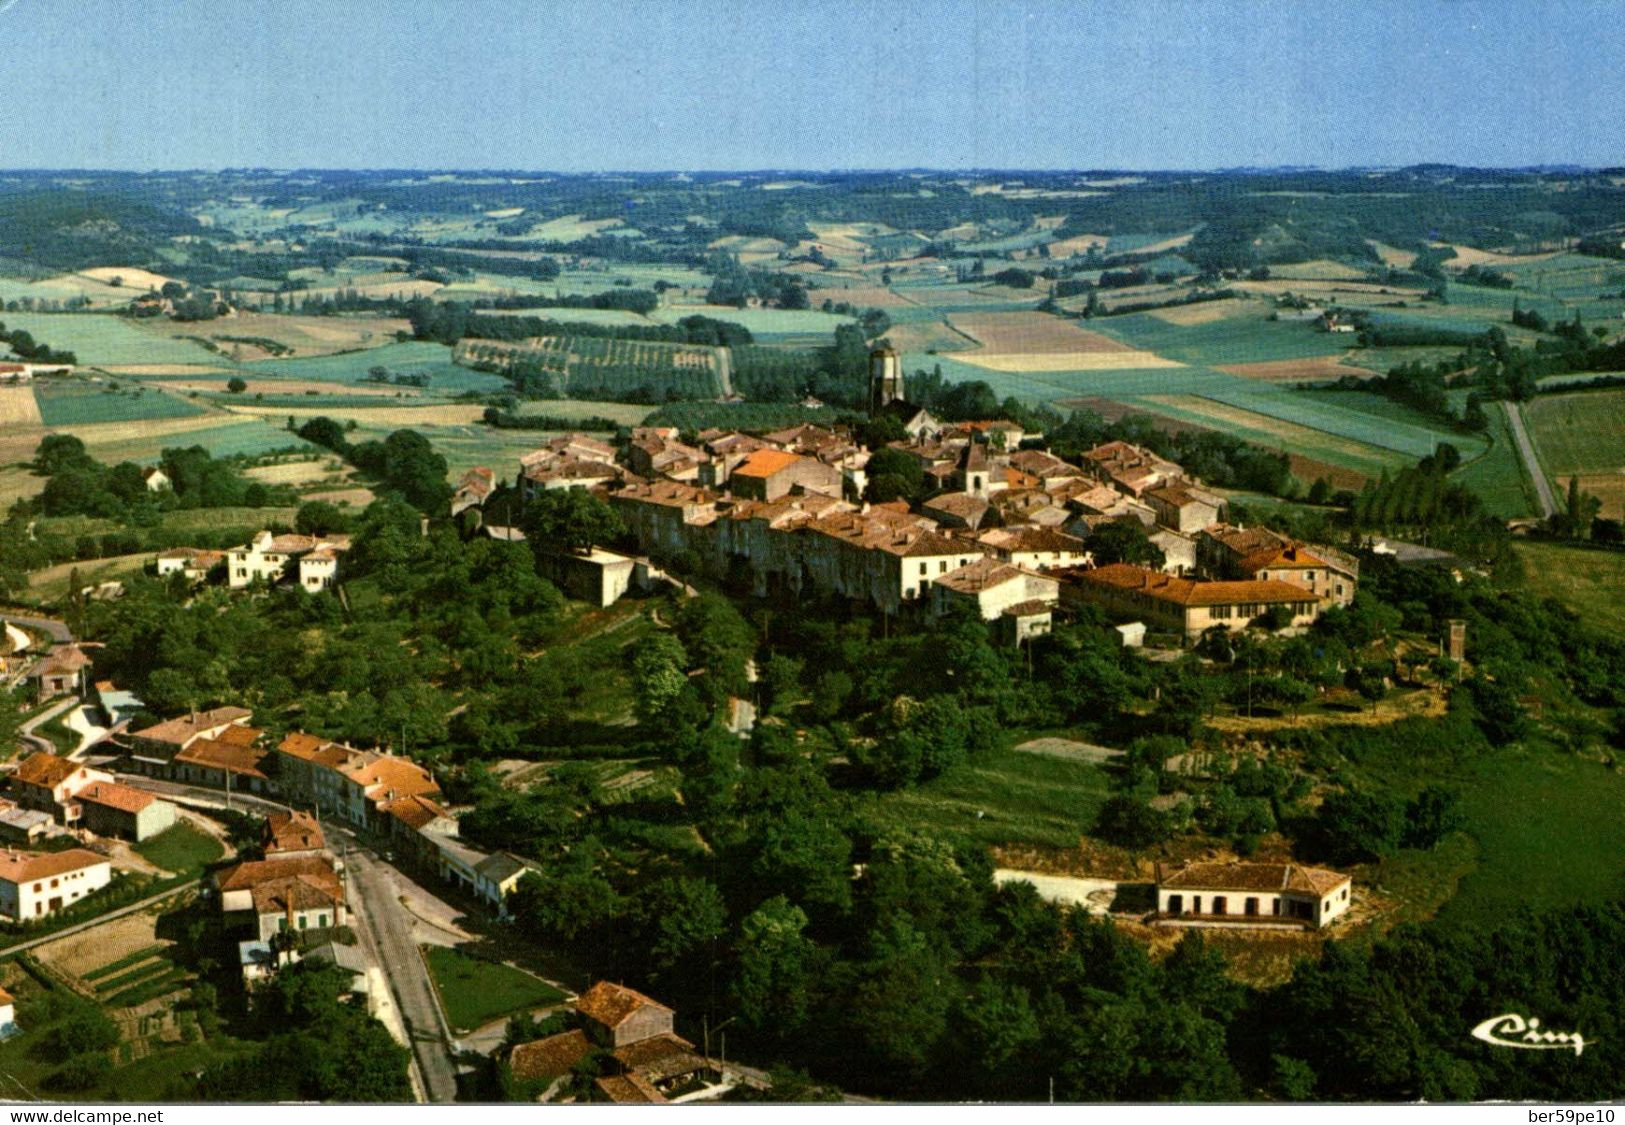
point(1019, 621)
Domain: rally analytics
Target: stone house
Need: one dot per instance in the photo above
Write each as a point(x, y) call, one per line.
point(770, 474)
point(62, 672)
point(108, 808)
point(1183, 507)
point(272, 895)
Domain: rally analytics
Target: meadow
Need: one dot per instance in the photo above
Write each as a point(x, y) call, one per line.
point(99, 338)
point(1497, 475)
point(1587, 581)
point(1005, 798)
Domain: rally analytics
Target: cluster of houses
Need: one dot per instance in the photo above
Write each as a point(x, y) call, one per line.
point(1005, 528)
point(310, 560)
point(383, 793)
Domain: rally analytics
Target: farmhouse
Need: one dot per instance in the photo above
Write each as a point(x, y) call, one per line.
point(566, 471)
point(36, 885)
point(110, 809)
point(156, 479)
point(266, 558)
point(1253, 892)
point(62, 672)
point(473, 490)
point(273, 895)
point(1185, 605)
point(47, 782)
point(356, 785)
point(957, 509)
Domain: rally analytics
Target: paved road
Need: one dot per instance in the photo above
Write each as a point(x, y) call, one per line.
point(57, 631)
point(26, 731)
point(1526, 450)
point(387, 928)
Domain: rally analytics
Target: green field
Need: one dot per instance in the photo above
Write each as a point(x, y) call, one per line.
point(1579, 432)
point(73, 403)
point(99, 338)
point(1005, 798)
point(1237, 339)
point(1549, 835)
point(406, 358)
point(241, 434)
point(473, 992)
point(182, 850)
point(1589, 582)
point(1498, 475)
point(763, 323)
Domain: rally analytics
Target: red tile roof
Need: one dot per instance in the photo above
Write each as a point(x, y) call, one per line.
point(179, 731)
point(1189, 591)
point(1255, 877)
point(112, 795)
point(553, 1057)
point(613, 1004)
point(45, 770)
point(291, 832)
point(20, 867)
point(765, 462)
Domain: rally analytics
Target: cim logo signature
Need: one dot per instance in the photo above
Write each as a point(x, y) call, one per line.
point(1512, 1030)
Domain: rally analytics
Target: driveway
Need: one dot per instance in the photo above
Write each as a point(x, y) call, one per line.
point(1095, 895)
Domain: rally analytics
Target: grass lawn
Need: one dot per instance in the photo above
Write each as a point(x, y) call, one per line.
point(1005, 798)
point(182, 849)
point(473, 993)
point(1589, 582)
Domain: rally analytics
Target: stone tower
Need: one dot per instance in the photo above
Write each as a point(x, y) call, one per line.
point(1456, 641)
point(885, 378)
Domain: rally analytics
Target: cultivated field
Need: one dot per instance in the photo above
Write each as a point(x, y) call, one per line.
point(1583, 434)
point(1033, 333)
point(75, 404)
point(1313, 369)
point(18, 407)
point(439, 414)
point(1274, 433)
point(1203, 312)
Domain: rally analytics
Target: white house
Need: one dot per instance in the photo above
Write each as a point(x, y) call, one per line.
point(1253, 893)
point(267, 557)
point(157, 480)
point(35, 885)
point(8, 1015)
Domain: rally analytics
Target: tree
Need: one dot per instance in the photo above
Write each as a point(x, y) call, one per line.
point(570, 519)
point(894, 475)
point(1125, 541)
point(59, 452)
point(319, 517)
point(1130, 822)
point(1354, 827)
point(413, 468)
point(775, 981)
point(235, 385)
point(658, 676)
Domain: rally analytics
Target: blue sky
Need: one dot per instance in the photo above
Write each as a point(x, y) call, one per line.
point(813, 84)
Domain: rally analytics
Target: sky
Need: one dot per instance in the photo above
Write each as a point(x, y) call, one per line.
point(635, 85)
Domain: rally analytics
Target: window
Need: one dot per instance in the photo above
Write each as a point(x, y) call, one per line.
point(1339, 589)
point(1251, 907)
point(1220, 612)
point(55, 883)
point(942, 567)
point(38, 887)
point(1311, 576)
point(282, 925)
point(923, 566)
point(1220, 904)
point(1176, 904)
point(304, 921)
point(1196, 904)
point(321, 920)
